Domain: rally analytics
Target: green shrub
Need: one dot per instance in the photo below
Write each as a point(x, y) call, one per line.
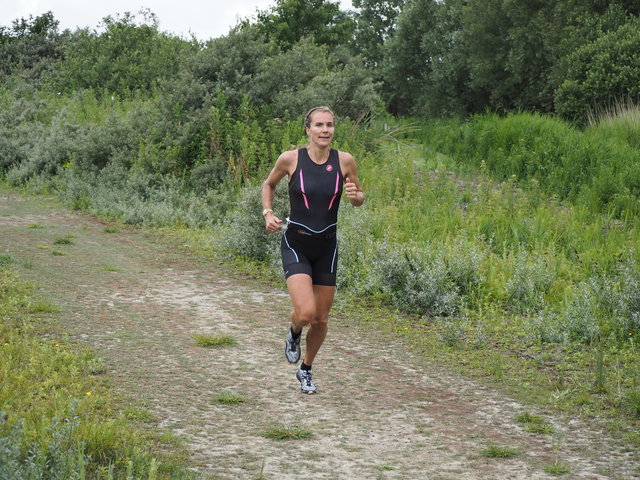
point(128, 55)
point(547, 327)
point(136, 197)
point(63, 458)
point(415, 280)
point(580, 318)
point(245, 233)
point(601, 73)
point(531, 279)
point(355, 250)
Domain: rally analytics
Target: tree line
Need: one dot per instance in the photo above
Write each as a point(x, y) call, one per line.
point(426, 58)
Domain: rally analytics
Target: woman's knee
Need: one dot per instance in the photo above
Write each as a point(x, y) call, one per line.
point(320, 321)
point(305, 316)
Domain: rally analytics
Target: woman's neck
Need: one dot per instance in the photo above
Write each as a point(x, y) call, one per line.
point(318, 154)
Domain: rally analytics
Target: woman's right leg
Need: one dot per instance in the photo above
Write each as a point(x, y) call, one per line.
point(302, 297)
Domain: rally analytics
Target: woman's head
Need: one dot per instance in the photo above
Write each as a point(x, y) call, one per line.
point(310, 113)
point(319, 124)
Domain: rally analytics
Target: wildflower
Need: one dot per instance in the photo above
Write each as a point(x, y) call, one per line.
point(88, 394)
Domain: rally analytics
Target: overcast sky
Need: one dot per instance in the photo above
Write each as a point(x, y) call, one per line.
point(204, 18)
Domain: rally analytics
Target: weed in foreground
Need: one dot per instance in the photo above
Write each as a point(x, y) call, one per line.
point(34, 226)
point(287, 432)
point(535, 424)
point(230, 398)
point(214, 341)
point(111, 230)
point(495, 451)
point(42, 307)
point(138, 414)
point(557, 468)
point(63, 240)
point(6, 260)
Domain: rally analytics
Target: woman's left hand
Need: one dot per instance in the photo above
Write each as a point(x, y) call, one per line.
point(351, 189)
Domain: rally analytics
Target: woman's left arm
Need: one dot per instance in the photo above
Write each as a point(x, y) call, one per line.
point(352, 188)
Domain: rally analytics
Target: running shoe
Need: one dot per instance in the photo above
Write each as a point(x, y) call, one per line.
point(306, 381)
point(292, 347)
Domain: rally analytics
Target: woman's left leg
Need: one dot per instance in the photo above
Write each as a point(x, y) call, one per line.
point(323, 296)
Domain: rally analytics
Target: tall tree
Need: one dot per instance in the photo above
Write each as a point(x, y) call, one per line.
point(292, 20)
point(30, 46)
point(408, 61)
point(127, 56)
point(375, 23)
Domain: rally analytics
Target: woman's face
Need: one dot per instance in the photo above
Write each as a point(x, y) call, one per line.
point(320, 130)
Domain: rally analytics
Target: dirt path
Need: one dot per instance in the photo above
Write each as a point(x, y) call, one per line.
point(380, 412)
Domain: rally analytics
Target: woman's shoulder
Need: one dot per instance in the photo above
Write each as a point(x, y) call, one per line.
point(345, 157)
point(289, 156)
point(288, 161)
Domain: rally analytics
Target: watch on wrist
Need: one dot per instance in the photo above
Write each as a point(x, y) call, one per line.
point(265, 211)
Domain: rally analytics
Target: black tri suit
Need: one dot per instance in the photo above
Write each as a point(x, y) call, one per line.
point(309, 243)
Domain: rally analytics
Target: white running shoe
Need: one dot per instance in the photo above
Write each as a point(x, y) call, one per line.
point(292, 347)
point(306, 381)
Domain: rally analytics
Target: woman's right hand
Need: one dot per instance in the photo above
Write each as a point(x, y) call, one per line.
point(272, 223)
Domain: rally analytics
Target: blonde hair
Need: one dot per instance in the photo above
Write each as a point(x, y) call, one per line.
point(307, 118)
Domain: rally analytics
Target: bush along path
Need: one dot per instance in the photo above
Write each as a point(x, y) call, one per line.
point(202, 349)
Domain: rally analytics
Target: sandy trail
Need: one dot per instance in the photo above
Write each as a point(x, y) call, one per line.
point(381, 411)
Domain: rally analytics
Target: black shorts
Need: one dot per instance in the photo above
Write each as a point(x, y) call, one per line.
point(315, 255)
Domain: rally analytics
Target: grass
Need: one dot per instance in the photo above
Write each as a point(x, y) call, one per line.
point(214, 341)
point(495, 451)
point(6, 260)
point(111, 230)
point(228, 398)
point(557, 468)
point(535, 424)
point(58, 404)
point(632, 402)
point(287, 432)
point(40, 306)
point(66, 240)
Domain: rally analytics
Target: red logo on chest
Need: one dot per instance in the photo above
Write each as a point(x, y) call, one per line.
point(329, 168)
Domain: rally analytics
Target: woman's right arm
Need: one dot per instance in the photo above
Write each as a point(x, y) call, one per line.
point(280, 169)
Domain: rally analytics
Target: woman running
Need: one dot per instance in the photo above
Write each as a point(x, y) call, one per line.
point(317, 175)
